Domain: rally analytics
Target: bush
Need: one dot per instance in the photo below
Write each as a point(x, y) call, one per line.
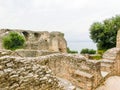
point(95, 57)
point(13, 41)
point(88, 51)
point(71, 51)
point(101, 52)
point(91, 51)
point(84, 51)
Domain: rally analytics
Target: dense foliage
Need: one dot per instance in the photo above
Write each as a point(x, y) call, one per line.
point(88, 51)
point(95, 57)
point(13, 41)
point(104, 33)
point(71, 51)
point(100, 52)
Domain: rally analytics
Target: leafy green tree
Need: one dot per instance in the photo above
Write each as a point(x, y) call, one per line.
point(13, 41)
point(88, 51)
point(104, 33)
point(84, 51)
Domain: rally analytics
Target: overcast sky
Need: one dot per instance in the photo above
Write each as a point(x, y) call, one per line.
point(72, 17)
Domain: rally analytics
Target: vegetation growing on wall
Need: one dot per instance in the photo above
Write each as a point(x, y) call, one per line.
point(13, 41)
point(95, 57)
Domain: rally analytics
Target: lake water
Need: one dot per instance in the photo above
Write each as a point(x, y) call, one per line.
point(79, 45)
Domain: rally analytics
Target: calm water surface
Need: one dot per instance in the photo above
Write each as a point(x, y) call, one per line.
point(79, 45)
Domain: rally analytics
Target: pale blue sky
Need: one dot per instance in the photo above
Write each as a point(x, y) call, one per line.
point(72, 17)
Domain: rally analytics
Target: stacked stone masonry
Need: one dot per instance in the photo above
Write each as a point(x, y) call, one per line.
point(43, 40)
point(18, 74)
point(31, 69)
point(118, 39)
point(22, 72)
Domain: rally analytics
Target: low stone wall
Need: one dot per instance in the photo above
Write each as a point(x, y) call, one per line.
point(25, 53)
point(32, 53)
point(66, 65)
point(21, 74)
point(61, 65)
point(46, 72)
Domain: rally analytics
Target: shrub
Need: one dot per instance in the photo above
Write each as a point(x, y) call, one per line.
point(95, 57)
point(71, 51)
point(84, 51)
point(101, 52)
point(88, 51)
point(91, 51)
point(13, 41)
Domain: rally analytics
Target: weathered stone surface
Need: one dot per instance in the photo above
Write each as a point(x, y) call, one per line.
point(44, 70)
point(118, 39)
point(43, 40)
point(31, 53)
point(111, 54)
point(111, 60)
point(26, 75)
point(19, 71)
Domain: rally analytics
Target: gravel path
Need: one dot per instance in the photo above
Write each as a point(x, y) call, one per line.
point(112, 83)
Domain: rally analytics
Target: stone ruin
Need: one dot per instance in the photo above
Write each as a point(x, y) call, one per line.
point(118, 39)
point(38, 70)
point(43, 40)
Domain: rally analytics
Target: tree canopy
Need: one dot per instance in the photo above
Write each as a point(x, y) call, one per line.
point(13, 41)
point(88, 51)
point(104, 33)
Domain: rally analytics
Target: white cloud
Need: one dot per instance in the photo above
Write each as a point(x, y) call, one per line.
point(65, 4)
point(73, 17)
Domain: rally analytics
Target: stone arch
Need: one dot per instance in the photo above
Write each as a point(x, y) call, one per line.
point(36, 35)
point(26, 34)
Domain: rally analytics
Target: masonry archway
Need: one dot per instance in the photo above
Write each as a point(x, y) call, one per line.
point(26, 34)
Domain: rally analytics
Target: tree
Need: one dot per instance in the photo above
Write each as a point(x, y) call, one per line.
point(104, 33)
point(84, 51)
point(88, 51)
point(13, 41)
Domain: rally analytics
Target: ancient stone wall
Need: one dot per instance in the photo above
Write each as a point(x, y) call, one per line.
point(19, 70)
point(20, 74)
point(41, 70)
point(80, 72)
point(118, 39)
point(31, 53)
point(75, 68)
point(43, 40)
point(113, 56)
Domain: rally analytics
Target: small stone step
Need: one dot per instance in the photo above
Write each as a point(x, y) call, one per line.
point(84, 74)
point(107, 61)
point(84, 68)
point(104, 74)
point(106, 65)
point(67, 84)
point(84, 79)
